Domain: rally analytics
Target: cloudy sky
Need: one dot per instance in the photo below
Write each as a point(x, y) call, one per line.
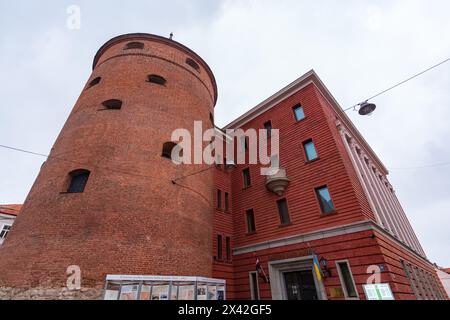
point(254, 48)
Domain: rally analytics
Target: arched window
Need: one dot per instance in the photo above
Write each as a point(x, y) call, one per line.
point(154, 78)
point(167, 151)
point(193, 64)
point(78, 181)
point(112, 104)
point(94, 82)
point(134, 45)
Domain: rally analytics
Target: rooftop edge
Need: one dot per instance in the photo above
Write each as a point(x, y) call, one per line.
point(153, 37)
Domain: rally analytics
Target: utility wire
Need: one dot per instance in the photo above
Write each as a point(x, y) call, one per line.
point(209, 168)
point(75, 162)
point(114, 169)
point(345, 110)
point(192, 174)
point(423, 167)
point(25, 151)
point(193, 190)
point(49, 157)
point(400, 83)
point(79, 163)
point(174, 181)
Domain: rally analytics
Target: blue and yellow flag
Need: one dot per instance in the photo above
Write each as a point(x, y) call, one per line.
point(317, 268)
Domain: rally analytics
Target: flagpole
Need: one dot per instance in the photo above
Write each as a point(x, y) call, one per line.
point(260, 269)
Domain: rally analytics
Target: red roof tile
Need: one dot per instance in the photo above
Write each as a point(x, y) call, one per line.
point(11, 209)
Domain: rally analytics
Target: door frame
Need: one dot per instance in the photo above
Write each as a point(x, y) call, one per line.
point(279, 267)
point(309, 272)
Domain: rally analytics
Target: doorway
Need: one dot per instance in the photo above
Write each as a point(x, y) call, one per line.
point(300, 285)
point(294, 279)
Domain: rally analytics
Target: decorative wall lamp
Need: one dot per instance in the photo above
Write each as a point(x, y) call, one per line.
point(277, 182)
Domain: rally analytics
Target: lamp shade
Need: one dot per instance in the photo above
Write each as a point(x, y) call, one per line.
point(366, 108)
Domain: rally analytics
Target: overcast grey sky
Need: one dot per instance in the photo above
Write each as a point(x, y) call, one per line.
point(254, 48)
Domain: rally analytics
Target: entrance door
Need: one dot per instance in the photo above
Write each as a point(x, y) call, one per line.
point(300, 285)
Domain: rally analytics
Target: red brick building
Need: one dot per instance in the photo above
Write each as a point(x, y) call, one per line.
point(139, 226)
point(363, 228)
point(8, 214)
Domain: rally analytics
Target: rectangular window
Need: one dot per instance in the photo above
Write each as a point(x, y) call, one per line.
point(227, 202)
point(219, 199)
point(251, 227)
point(299, 112)
point(246, 177)
point(218, 161)
point(268, 127)
point(347, 282)
point(310, 150)
point(254, 286)
point(244, 143)
point(228, 248)
point(283, 211)
point(326, 203)
point(219, 247)
point(5, 230)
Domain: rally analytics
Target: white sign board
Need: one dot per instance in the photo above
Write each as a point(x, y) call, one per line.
point(379, 291)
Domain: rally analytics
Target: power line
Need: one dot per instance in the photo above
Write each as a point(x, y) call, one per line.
point(134, 173)
point(436, 165)
point(75, 162)
point(400, 83)
point(108, 168)
point(57, 158)
point(174, 181)
point(345, 110)
point(25, 151)
point(192, 174)
point(193, 190)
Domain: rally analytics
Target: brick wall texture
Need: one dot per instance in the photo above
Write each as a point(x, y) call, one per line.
point(132, 218)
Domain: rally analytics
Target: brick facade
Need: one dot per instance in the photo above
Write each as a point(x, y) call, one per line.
point(139, 216)
point(376, 246)
point(131, 218)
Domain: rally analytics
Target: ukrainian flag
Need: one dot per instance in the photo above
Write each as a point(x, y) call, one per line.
point(316, 267)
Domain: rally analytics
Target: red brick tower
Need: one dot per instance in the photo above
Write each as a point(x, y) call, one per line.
point(130, 218)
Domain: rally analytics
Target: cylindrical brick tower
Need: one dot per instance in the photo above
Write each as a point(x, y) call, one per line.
point(130, 218)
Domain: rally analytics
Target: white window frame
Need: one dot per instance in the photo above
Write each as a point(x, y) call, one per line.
point(251, 283)
point(3, 227)
point(341, 279)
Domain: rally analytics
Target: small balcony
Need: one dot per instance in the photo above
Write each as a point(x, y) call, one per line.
point(277, 182)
